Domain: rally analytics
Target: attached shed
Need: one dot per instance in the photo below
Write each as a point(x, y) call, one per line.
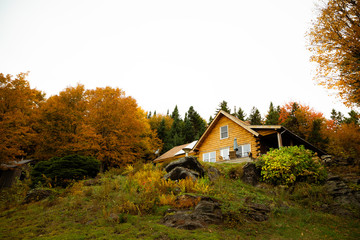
point(12, 171)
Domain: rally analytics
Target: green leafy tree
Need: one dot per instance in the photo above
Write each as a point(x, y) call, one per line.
point(255, 116)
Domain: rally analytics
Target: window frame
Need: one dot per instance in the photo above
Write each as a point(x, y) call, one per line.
point(227, 132)
point(208, 158)
point(227, 157)
point(242, 149)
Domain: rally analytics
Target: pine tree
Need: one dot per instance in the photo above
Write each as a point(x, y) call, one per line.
point(240, 114)
point(337, 117)
point(272, 118)
point(223, 106)
point(353, 118)
point(316, 137)
point(255, 117)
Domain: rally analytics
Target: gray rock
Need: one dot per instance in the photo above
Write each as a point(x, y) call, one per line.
point(207, 211)
point(213, 173)
point(257, 212)
point(36, 195)
point(187, 162)
point(340, 191)
point(181, 173)
point(251, 174)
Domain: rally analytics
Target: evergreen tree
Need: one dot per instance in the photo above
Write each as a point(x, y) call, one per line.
point(255, 116)
point(210, 120)
point(353, 118)
point(188, 130)
point(194, 124)
point(175, 136)
point(223, 106)
point(337, 117)
point(315, 136)
point(161, 131)
point(240, 114)
point(272, 118)
point(292, 122)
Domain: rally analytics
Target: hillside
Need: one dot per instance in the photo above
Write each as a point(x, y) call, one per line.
point(131, 204)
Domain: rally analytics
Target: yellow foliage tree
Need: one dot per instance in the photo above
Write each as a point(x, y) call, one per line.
point(334, 41)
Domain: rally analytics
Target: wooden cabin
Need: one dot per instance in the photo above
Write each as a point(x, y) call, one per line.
point(229, 138)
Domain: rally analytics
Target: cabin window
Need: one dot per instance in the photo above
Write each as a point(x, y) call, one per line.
point(224, 153)
point(224, 133)
point(209, 157)
point(244, 150)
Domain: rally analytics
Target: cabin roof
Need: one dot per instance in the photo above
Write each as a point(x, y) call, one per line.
point(175, 151)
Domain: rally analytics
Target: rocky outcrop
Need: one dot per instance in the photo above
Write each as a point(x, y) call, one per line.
point(213, 173)
point(178, 173)
point(206, 212)
point(256, 211)
point(187, 162)
point(35, 195)
point(344, 197)
point(251, 174)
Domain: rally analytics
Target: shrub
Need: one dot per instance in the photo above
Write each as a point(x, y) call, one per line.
point(61, 171)
point(288, 165)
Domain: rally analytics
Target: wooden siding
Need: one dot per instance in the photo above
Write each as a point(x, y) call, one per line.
point(212, 142)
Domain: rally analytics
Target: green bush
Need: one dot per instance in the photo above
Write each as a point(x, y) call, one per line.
point(61, 171)
point(288, 165)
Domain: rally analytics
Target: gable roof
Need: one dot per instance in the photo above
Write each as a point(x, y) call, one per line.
point(243, 124)
point(174, 152)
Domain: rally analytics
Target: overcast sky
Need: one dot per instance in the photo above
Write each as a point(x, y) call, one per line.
point(163, 53)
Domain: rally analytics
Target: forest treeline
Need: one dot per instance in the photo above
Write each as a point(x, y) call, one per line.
point(110, 126)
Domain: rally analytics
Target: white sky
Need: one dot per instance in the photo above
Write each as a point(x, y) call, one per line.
point(164, 53)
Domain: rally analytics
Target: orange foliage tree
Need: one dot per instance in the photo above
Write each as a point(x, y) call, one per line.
point(122, 130)
point(334, 41)
point(302, 120)
point(103, 123)
point(344, 140)
point(61, 124)
point(18, 107)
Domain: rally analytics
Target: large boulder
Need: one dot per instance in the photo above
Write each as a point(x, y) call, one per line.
point(213, 173)
point(207, 211)
point(251, 174)
point(187, 162)
point(181, 173)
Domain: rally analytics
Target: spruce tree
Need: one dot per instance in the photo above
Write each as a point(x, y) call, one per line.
point(223, 106)
point(255, 116)
point(272, 118)
point(240, 114)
